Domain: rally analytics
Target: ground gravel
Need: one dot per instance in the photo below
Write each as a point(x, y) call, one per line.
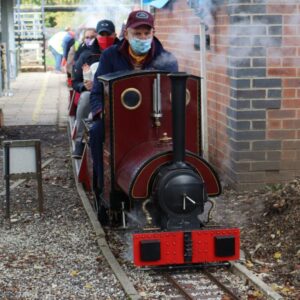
point(53, 256)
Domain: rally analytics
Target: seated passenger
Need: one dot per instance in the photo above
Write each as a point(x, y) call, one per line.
point(88, 49)
point(87, 39)
point(139, 50)
point(84, 72)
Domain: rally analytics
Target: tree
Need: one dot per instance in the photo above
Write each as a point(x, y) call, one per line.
point(50, 20)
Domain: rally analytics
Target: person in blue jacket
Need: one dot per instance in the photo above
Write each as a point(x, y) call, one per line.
point(139, 50)
point(67, 42)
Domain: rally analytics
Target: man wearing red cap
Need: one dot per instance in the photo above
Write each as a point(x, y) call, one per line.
point(139, 50)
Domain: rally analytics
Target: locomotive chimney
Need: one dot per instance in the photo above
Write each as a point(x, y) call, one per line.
point(178, 95)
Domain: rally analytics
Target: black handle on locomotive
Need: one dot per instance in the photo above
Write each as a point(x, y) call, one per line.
point(178, 96)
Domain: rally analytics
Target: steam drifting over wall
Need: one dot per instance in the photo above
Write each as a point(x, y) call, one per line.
point(93, 11)
point(252, 82)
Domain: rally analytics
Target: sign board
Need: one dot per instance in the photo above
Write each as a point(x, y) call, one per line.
point(22, 159)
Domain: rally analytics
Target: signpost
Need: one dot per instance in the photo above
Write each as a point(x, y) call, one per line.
point(22, 160)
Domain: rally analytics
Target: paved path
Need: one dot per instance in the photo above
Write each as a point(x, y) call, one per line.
point(37, 99)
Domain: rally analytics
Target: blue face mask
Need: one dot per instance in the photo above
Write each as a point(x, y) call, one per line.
point(140, 46)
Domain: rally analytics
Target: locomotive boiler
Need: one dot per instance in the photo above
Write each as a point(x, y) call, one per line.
point(153, 166)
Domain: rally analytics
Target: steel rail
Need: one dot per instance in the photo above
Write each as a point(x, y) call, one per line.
point(220, 285)
point(176, 284)
point(212, 279)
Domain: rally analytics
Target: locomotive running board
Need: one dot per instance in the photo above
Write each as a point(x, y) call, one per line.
point(186, 247)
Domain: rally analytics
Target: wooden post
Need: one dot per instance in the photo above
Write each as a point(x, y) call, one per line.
point(39, 177)
point(1, 118)
point(7, 179)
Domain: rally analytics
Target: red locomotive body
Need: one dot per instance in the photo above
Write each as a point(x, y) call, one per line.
point(153, 164)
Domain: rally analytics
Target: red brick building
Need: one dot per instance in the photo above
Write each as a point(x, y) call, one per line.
point(252, 82)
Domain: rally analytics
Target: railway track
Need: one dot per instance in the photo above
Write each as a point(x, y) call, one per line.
point(200, 284)
point(203, 285)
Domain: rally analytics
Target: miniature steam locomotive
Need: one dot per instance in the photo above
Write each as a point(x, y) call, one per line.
point(153, 167)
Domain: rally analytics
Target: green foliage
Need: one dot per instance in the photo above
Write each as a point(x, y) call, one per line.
point(30, 2)
point(274, 187)
point(50, 20)
point(63, 2)
point(60, 20)
point(50, 2)
point(65, 19)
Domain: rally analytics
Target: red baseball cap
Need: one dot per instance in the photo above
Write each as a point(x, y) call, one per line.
point(138, 18)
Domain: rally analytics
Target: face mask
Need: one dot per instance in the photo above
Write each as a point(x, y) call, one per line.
point(140, 46)
point(89, 41)
point(105, 41)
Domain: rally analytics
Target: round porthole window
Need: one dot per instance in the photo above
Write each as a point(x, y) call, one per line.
point(131, 98)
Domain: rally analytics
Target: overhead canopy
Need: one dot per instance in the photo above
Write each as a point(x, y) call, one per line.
point(156, 3)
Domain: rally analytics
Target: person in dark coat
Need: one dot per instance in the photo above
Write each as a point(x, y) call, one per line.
point(89, 36)
point(139, 50)
point(84, 72)
point(89, 53)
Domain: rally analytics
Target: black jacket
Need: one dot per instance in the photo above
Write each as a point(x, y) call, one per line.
point(88, 56)
point(82, 47)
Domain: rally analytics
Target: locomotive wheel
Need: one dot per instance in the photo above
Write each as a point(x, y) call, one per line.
point(101, 210)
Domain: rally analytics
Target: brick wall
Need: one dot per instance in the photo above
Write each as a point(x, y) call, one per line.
point(253, 83)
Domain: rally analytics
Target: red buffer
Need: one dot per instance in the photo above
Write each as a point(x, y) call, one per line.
point(188, 247)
